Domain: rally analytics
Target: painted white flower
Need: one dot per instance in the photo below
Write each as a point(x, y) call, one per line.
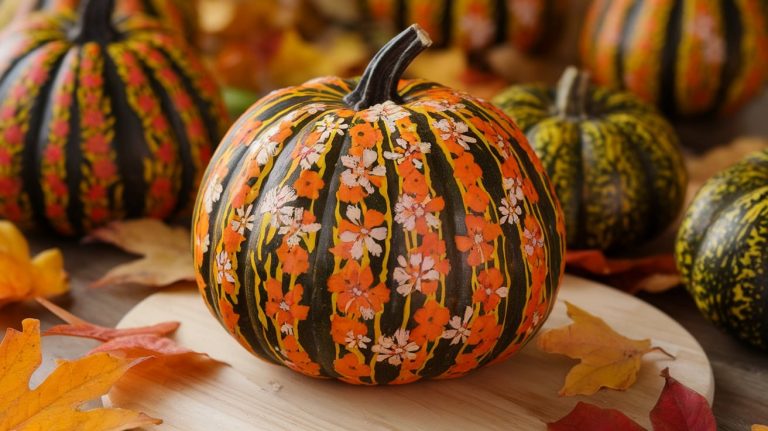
point(478, 29)
point(704, 28)
point(525, 11)
point(511, 205)
point(356, 340)
point(408, 211)
point(441, 105)
point(363, 235)
point(395, 349)
point(275, 203)
point(244, 219)
point(212, 193)
point(407, 150)
point(459, 331)
point(533, 240)
point(224, 266)
point(360, 169)
point(293, 225)
point(308, 155)
point(412, 272)
point(329, 125)
point(204, 242)
point(286, 328)
point(455, 130)
point(389, 112)
point(314, 108)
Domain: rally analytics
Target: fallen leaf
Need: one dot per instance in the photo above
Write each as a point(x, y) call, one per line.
point(608, 359)
point(653, 274)
point(22, 277)
point(55, 404)
point(759, 427)
point(167, 254)
point(147, 341)
point(589, 417)
point(681, 409)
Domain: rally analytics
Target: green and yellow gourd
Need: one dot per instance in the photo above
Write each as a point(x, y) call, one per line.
point(721, 249)
point(613, 160)
point(101, 121)
point(692, 58)
point(378, 231)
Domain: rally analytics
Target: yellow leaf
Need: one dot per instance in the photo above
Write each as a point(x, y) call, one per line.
point(23, 278)
point(759, 427)
point(166, 250)
point(54, 405)
point(608, 359)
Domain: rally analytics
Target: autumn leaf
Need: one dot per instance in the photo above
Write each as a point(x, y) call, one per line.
point(167, 254)
point(55, 404)
point(147, 341)
point(589, 417)
point(22, 277)
point(681, 409)
point(652, 274)
point(608, 359)
point(759, 427)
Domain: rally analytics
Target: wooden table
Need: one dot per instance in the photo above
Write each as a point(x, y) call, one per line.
point(741, 373)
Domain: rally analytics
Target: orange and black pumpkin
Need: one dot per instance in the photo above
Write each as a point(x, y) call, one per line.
point(101, 121)
point(692, 58)
point(378, 231)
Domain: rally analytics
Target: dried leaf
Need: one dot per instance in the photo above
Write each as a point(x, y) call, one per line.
point(167, 254)
point(54, 405)
point(759, 427)
point(653, 274)
point(147, 341)
point(23, 278)
point(589, 417)
point(608, 359)
point(681, 409)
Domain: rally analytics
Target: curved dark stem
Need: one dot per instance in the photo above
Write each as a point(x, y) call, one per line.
point(380, 79)
point(573, 93)
point(94, 22)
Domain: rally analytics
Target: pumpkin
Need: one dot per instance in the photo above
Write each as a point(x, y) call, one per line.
point(692, 58)
point(378, 232)
point(614, 162)
point(101, 121)
point(179, 15)
point(527, 25)
point(721, 249)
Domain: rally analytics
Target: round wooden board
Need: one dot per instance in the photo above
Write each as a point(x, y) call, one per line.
point(518, 394)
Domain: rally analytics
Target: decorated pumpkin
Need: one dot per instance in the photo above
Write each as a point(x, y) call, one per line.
point(378, 231)
point(472, 24)
point(179, 15)
point(613, 160)
point(692, 58)
point(721, 249)
point(101, 121)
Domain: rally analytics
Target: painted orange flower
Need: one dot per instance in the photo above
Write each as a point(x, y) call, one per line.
point(356, 296)
point(309, 184)
point(484, 329)
point(294, 258)
point(533, 315)
point(364, 135)
point(464, 363)
point(362, 232)
point(297, 358)
point(510, 168)
point(466, 170)
point(480, 234)
point(415, 183)
point(476, 198)
point(349, 332)
point(432, 318)
point(350, 366)
point(490, 291)
point(228, 315)
point(232, 240)
point(432, 245)
point(285, 308)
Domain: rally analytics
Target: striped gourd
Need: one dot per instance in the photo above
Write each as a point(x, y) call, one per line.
point(527, 25)
point(614, 162)
point(377, 232)
point(721, 249)
point(101, 121)
point(692, 58)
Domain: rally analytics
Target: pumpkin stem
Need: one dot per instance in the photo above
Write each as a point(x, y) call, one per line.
point(573, 93)
point(94, 22)
point(380, 79)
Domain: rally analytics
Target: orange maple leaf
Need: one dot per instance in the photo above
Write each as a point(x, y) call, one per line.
point(147, 341)
point(167, 256)
point(608, 359)
point(54, 404)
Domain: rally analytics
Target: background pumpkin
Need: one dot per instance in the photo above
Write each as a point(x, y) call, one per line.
point(721, 249)
point(101, 121)
point(690, 57)
point(367, 231)
point(614, 162)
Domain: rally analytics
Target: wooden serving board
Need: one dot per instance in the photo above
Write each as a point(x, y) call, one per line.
point(519, 394)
